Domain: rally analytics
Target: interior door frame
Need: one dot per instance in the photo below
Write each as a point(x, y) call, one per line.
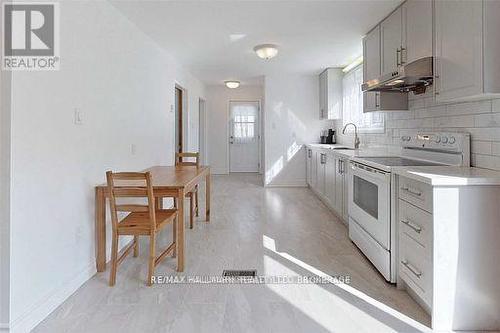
point(184, 119)
point(202, 130)
point(228, 132)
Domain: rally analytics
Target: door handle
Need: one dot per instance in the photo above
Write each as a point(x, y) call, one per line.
point(377, 100)
point(402, 62)
point(231, 139)
point(398, 55)
point(407, 189)
point(412, 225)
point(411, 268)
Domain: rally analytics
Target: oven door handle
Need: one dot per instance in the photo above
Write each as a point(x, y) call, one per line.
point(368, 171)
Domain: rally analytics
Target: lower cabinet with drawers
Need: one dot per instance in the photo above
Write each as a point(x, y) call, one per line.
point(448, 250)
point(415, 239)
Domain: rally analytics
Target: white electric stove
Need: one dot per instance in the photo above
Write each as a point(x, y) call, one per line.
point(371, 196)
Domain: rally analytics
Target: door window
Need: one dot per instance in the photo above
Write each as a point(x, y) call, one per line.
point(244, 118)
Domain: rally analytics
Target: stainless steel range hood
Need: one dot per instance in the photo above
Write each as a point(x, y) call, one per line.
point(415, 76)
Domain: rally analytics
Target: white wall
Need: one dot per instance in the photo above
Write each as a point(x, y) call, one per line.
point(218, 98)
point(124, 84)
point(5, 90)
point(291, 120)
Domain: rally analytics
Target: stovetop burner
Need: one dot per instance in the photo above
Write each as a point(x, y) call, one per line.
point(398, 161)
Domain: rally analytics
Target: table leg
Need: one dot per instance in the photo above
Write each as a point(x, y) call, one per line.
point(180, 231)
point(100, 229)
point(207, 196)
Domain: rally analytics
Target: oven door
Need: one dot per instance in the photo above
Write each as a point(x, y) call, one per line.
point(369, 201)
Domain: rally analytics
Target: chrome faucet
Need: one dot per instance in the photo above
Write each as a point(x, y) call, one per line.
point(356, 138)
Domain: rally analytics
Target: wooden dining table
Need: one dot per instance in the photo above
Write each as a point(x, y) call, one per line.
point(168, 182)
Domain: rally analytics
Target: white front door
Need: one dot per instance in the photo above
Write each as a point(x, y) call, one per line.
point(244, 136)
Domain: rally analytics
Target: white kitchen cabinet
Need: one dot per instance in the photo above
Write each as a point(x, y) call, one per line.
point(378, 101)
point(320, 172)
point(340, 186)
point(450, 264)
point(330, 175)
point(326, 173)
point(467, 49)
point(371, 67)
point(391, 41)
point(309, 165)
point(330, 94)
point(417, 30)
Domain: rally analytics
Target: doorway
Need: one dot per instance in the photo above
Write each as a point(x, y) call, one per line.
point(179, 108)
point(244, 136)
point(202, 137)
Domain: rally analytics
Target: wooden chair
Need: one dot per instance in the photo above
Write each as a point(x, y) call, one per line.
point(142, 220)
point(193, 205)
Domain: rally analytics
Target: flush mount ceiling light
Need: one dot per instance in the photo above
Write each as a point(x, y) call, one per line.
point(266, 51)
point(232, 84)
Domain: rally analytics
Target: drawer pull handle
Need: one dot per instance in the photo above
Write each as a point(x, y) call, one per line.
point(407, 189)
point(411, 268)
point(412, 225)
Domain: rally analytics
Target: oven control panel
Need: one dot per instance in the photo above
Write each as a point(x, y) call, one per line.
point(436, 140)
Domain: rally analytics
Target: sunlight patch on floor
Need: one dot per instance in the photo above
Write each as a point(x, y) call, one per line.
point(272, 266)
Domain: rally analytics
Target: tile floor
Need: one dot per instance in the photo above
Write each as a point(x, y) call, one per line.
point(277, 231)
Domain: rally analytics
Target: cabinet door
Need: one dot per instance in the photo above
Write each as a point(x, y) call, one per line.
point(320, 175)
point(330, 180)
point(309, 166)
point(417, 30)
point(390, 35)
point(322, 95)
point(339, 186)
point(314, 169)
point(459, 49)
point(371, 67)
point(345, 186)
point(334, 93)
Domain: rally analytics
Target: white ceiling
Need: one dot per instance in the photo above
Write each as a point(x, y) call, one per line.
point(214, 39)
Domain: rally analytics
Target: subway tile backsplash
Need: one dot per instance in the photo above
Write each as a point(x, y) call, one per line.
point(480, 118)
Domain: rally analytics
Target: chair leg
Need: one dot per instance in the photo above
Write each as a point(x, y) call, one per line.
point(136, 246)
point(174, 231)
point(196, 200)
point(191, 210)
point(114, 260)
point(152, 257)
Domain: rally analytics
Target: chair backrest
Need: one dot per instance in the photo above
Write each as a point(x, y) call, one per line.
point(179, 159)
point(130, 185)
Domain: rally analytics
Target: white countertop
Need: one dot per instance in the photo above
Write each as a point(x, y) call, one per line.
point(433, 175)
point(362, 152)
point(449, 175)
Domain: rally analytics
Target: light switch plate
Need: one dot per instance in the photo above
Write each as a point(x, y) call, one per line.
point(78, 117)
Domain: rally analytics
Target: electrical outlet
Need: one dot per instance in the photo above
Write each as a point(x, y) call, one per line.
point(78, 116)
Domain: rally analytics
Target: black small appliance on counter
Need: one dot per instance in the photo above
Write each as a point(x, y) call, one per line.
point(328, 137)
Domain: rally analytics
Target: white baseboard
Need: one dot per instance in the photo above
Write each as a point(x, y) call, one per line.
point(292, 184)
point(40, 310)
point(218, 171)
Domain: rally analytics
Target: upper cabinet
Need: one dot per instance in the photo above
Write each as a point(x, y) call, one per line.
point(391, 37)
point(378, 101)
point(467, 49)
point(417, 30)
point(330, 94)
point(371, 67)
point(406, 35)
